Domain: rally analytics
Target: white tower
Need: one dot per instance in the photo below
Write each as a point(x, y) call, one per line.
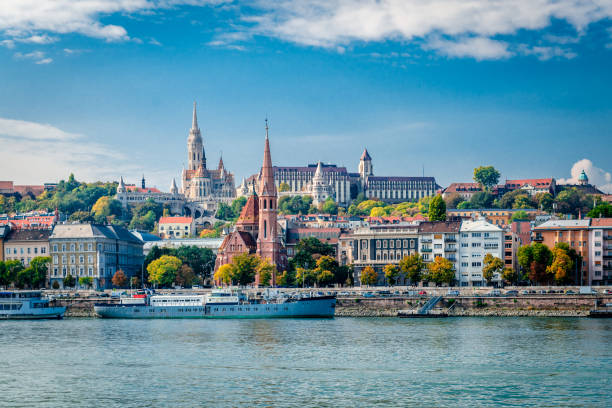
point(320, 188)
point(195, 146)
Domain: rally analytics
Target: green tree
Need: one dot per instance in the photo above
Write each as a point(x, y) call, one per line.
point(201, 260)
point(224, 274)
point(368, 276)
point(24, 278)
point(81, 216)
point(283, 187)
point(602, 210)
point(482, 199)
point(9, 271)
point(162, 271)
point(510, 276)
point(325, 277)
point(562, 266)
point(491, 266)
point(224, 212)
point(39, 266)
point(185, 276)
point(391, 273)
point(69, 281)
point(305, 277)
point(266, 270)
point(437, 209)
point(440, 271)
point(307, 251)
point(535, 259)
point(545, 201)
point(85, 281)
point(245, 267)
point(286, 279)
point(453, 200)
point(573, 201)
point(329, 206)
point(412, 267)
point(104, 208)
point(519, 215)
point(486, 176)
point(237, 205)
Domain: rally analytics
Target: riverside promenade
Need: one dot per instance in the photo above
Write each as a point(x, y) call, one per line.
point(386, 302)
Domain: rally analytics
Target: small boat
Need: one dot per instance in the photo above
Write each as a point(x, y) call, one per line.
point(27, 305)
point(219, 304)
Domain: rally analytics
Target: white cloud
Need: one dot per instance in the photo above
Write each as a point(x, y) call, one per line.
point(39, 57)
point(469, 28)
point(544, 53)
point(597, 176)
point(37, 152)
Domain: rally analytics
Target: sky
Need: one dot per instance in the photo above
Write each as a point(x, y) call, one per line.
point(105, 88)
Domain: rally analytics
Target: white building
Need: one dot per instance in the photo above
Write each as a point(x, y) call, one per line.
point(600, 251)
point(439, 239)
point(476, 239)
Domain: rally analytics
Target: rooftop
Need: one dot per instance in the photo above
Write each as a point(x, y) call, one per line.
point(479, 225)
point(176, 220)
point(555, 224)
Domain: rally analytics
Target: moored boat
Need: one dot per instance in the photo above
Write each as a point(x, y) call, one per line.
point(219, 304)
point(27, 305)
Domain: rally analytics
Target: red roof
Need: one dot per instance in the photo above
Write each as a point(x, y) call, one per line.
point(547, 182)
point(250, 212)
point(601, 222)
point(6, 185)
point(175, 220)
point(462, 187)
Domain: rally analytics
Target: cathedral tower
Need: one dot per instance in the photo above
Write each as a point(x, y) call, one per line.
point(195, 146)
point(268, 244)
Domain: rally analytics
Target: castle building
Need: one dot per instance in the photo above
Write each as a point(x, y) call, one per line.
point(343, 186)
point(257, 230)
point(207, 187)
point(130, 194)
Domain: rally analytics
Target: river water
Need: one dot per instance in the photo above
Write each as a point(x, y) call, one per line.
point(342, 362)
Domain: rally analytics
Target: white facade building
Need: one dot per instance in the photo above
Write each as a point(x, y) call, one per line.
point(476, 239)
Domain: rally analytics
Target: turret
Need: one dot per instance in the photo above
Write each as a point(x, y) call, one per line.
point(121, 187)
point(195, 146)
point(365, 165)
point(173, 188)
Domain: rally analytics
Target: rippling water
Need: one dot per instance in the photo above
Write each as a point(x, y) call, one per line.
point(337, 362)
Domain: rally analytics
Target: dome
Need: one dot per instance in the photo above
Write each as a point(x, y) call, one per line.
point(583, 177)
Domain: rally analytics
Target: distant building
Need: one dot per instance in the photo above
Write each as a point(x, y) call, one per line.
point(464, 190)
point(96, 251)
point(477, 239)
point(25, 244)
point(497, 216)
point(206, 187)
point(176, 227)
point(337, 183)
point(31, 220)
point(4, 231)
point(582, 185)
point(532, 186)
point(8, 188)
point(130, 194)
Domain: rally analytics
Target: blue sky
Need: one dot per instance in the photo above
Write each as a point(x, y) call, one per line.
point(105, 88)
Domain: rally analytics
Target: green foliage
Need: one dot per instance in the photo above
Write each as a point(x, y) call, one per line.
point(440, 271)
point(283, 187)
point(105, 208)
point(486, 176)
point(237, 205)
point(69, 281)
point(602, 210)
point(491, 266)
point(368, 276)
point(200, 260)
point(510, 276)
point(162, 271)
point(519, 215)
point(437, 209)
point(544, 201)
point(307, 251)
point(364, 207)
point(535, 259)
point(294, 204)
point(9, 271)
point(573, 201)
point(286, 279)
point(391, 273)
point(85, 281)
point(453, 200)
point(144, 222)
point(55, 285)
point(244, 268)
point(305, 277)
point(224, 212)
point(39, 267)
point(81, 216)
point(265, 270)
point(185, 276)
point(412, 267)
point(329, 206)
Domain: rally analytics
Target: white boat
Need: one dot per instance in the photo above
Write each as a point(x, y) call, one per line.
point(27, 305)
point(219, 304)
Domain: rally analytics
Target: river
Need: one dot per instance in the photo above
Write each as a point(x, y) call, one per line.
point(342, 362)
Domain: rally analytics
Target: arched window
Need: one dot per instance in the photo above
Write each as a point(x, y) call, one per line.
point(265, 228)
point(264, 203)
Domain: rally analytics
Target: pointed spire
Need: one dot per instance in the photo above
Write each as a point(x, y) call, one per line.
point(267, 186)
point(220, 163)
point(365, 155)
point(194, 121)
point(319, 171)
point(173, 187)
point(121, 187)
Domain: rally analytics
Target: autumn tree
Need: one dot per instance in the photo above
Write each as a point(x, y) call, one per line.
point(491, 265)
point(105, 208)
point(85, 281)
point(391, 273)
point(510, 276)
point(162, 271)
point(412, 267)
point(305, 277)
point(185, 276)
point(535, 259)
point(266, 270)
point(282, 187)
point(437, 209)
point(368, 276)
point(245, 267)
point(564, 265)
point(119, 279)
point(286, 279)
point(486, 176)
point(440, 271)
point(224, 274)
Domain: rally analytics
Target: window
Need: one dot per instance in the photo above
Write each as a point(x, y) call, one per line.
point(405, 243)
point(597, 244)
point(89, 258)
point(475, 234)
point(55, 260)
point(54, 247)
point(476, 264)
point(464, 235)
point(464, 245)
point(384, 243)
point(598, 233)
point(72, 247)
point(63, 247)
point(89, 246)
point(438, 246)
point(81, 246)
point(81, 259)
point(486, 234)
point(378, 243)
point(475, 244)
point(72, 259)
point(64, 259)
point(597, 253)
point(391, 244)
point(465, 264)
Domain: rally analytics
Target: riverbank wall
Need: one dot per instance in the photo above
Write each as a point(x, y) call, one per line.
point(534, 305)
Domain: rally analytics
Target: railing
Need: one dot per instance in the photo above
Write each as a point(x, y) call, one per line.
point(426, 240)
point(450, 250)
point(426, 249)
point(450, 239)
point(429, 305)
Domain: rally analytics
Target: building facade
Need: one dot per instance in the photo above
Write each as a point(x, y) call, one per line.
point(439, 239)
point(476, 240)
point(176, 227)
point(96, 251)
point(130, 194)
point(25, 244)
point(600, 252)
point(207, 187)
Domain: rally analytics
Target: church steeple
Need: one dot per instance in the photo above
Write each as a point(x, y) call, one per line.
point(266, 182)
point(195, 146)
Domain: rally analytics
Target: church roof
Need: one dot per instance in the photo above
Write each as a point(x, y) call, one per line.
point(250, 212)
point(365, 155)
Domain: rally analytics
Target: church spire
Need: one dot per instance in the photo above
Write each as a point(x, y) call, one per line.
point(267, 186)
point(194, 121)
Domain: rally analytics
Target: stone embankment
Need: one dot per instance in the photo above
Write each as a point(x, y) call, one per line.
point(528, 305)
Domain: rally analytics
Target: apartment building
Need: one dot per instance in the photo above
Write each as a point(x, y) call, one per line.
point(24, 245)
point(439, 239)
point(476, 239)
point(600, 251)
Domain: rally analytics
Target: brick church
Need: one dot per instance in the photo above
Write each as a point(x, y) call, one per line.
point(256, 230)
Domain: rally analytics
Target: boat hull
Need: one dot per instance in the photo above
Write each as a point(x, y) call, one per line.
point(47, 313)
point(321, 307)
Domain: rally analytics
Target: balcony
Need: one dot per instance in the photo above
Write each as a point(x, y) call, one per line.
point(607, 257)
point(426, 250)
point(426, 240)
point(450, 250)
point(450, 239)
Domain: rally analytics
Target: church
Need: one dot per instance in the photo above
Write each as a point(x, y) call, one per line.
point(257, 230)
point(206, 187)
